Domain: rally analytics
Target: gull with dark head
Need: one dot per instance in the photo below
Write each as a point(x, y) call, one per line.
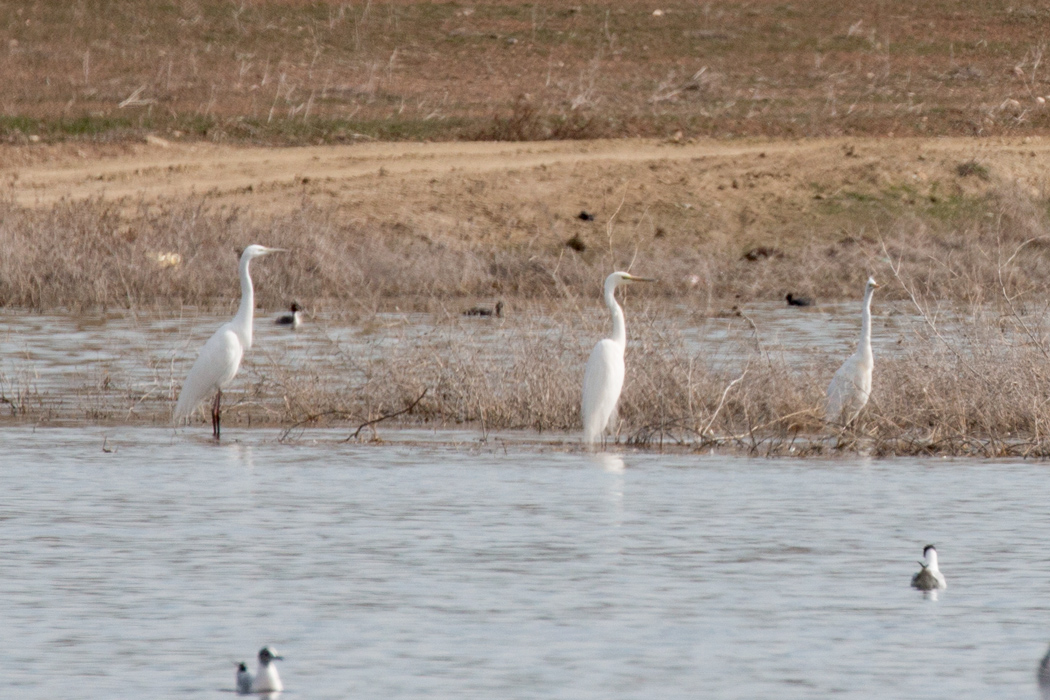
point(244, 679)
point(266, 678)
point(929, 577)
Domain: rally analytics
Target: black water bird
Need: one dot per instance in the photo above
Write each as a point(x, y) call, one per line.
point(486, 312)
point(293, 319)
point(793, 300)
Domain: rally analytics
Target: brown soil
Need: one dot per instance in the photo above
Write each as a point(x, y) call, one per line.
point(290, 72)
point(774, 193)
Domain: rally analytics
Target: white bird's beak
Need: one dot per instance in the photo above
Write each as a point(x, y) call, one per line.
point(632, 278)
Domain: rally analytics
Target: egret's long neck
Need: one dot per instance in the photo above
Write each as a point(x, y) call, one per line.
point(242, 322)
point(619, 334)
point(864, 346)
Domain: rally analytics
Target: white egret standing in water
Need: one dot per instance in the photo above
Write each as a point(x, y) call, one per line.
point(603, 379)
point(851, 385)
point(221, 356)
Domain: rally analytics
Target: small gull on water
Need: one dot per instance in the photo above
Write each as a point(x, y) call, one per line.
point(266, 678)
point(929, 577)
point(244, 679)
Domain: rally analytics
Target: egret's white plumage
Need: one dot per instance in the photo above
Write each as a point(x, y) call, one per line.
point(850, 387)
point(603, 378)
point(221, 356)
point(929, 577)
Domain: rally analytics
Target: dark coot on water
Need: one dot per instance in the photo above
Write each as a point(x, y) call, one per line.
point(793, 300)
point(484, 311)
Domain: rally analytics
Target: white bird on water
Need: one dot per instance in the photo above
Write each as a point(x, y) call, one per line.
point(850, 387)
point(221, 356)
point(266, 678)
point(929, 577)
point(603, 378)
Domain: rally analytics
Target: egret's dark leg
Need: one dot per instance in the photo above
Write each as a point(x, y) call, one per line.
point(215, 415)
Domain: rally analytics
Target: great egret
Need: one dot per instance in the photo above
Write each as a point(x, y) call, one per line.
point(929, 577)
point(293, 318)
point(266, 678)
point(603, 379)
point(220, 357)
point(496, 311)
point(793, 300)
point(850, 387)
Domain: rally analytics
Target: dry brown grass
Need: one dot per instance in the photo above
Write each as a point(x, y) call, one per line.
point(293, 72)
point(98, 254)
point(973, 380)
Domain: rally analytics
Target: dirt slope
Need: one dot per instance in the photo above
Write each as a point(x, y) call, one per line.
point(506, 192)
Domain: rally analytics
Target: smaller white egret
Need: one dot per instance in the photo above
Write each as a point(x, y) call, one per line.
point(850, 387)
point(603, 378)
point(294, 318)
point(266, 678)
point(929, 577)
point(221, 356)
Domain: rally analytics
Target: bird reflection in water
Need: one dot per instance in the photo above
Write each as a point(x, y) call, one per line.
point(610, 462)
point(614, 466)
point(242, 455)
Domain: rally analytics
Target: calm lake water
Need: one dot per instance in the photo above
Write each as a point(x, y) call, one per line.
point(434, 567)
point(147, 355)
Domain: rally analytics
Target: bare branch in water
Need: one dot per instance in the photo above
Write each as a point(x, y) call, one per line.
point(385, 416)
